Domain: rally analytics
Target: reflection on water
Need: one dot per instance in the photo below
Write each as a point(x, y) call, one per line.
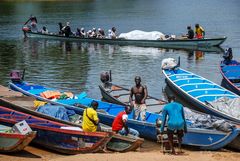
point(76, 66)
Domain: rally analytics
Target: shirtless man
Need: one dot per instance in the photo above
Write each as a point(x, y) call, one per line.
point(140, 94)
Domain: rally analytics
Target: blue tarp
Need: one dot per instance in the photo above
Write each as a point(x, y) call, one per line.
point(58, 112)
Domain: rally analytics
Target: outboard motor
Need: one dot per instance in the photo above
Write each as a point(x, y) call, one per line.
point(106, 80)
point(228, 54)
point(16, 76)
point(105, 77)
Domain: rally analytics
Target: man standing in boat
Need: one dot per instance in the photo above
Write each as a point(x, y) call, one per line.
point(33, 23)
point(176, 123)
point(140, 94)
point(90, 118)
point(199, 31)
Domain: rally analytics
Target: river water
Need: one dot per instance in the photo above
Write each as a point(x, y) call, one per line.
point(77, 66)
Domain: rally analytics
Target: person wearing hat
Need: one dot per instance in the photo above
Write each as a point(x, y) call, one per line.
point(199, 31)
point(176, 122)
point(140, 94)
point(90, 118)
point(119, 124)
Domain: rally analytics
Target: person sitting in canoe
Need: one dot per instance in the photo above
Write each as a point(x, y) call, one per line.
point(44, 30)
point(78, 33)
point(61, 32)
point(94, 33)
point(67, 29)
point(140, 94)
point(82, 33)
point(112, 33)
point(33, 23)
point(119, 124)
point(89, 33)
point(190, 34)
point(199, 31)
point(101, 33)
point(176, 122)
point(90, 118)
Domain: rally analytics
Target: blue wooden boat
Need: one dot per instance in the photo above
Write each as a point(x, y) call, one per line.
point(231, 75)
point(200, 92)
point(210, 139)
point(17, 101)
point(14, 142)
point(56, 136)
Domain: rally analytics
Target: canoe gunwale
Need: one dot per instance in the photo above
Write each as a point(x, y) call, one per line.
point(204, 107)
point(175, 43)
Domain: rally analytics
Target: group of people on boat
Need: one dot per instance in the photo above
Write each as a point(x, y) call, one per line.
point(67, 31)
point(93, 33)
point(172, 115)
point(198, 34)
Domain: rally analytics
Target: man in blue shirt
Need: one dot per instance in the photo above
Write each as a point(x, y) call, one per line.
point(176, 122)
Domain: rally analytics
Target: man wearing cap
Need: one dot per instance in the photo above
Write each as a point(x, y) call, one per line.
point(176, 122)
point(140, 94)
point(119, 124)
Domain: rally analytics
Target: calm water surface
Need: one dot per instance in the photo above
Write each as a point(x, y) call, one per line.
point(77, 66)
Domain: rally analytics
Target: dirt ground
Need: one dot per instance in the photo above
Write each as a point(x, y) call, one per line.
point(149, 151)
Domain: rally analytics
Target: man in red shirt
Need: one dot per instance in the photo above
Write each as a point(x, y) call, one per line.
point(119, 124)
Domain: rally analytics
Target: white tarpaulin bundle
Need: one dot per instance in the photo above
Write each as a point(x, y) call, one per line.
point(169, 63)
point(227, 105)
point(142, 35)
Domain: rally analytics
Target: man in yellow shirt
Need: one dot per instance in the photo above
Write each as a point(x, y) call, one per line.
point(199, 31)
point(90, 118)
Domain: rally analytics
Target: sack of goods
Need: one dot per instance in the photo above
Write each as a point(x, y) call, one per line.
point(169, 63)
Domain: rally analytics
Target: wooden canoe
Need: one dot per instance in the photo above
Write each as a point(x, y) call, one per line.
point(25, 104)
point(231, 75)
point(193, 44)
point(14, 142)
point(203, 138)
point(52, 135)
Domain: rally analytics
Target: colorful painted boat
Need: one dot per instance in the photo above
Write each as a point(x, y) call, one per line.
point(231, 75)
point(200, 92)
point(119, 95)
point(210, 139)
point(57, 136)
point(14, 142)
point(176, 43)
point(25, 104)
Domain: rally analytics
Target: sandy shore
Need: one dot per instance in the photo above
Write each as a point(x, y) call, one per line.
point(149, 152)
